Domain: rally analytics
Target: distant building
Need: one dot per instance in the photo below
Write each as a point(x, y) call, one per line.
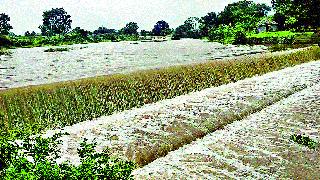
point(267, 26)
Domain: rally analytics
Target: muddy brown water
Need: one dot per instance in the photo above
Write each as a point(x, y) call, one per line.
point(32, 66)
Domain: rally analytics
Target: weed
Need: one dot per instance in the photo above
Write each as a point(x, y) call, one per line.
point(304, 140)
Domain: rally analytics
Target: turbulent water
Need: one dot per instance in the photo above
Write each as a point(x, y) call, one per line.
point(31, 66)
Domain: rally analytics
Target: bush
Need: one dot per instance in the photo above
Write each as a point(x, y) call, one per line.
point(34, 158)
point(49, 106)
point(5, 41)
point(240, 38)
point(226, 34)
point(304, 140)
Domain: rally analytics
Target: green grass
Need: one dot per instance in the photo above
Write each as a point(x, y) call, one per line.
point(282, 37)
point(274, 34)
point(37, 108)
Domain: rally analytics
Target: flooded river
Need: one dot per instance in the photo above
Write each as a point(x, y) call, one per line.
point(31, 66)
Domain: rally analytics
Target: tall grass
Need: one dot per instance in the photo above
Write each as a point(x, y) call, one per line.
point(50, 106)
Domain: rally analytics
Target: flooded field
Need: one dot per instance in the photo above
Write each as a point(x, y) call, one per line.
point(31, 66)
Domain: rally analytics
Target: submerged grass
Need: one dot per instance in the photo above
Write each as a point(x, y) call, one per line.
point(36, 108)
point(56, 49)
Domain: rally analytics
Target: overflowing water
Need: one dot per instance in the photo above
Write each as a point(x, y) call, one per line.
point(31, 66)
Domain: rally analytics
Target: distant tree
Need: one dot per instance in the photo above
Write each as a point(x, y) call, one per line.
point(131, 28)
point(80, 32)
point(33, 33)
point(27, 33)
point(190, 29)
point(4, 25)
point(55, 21)
point(104, 30)
point(207, 22)
point(161, 28)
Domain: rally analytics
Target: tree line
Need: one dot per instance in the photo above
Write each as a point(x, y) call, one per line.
point(58, 22)
point(234, 21)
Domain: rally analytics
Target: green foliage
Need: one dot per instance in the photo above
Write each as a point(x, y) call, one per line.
point(208, 22)
point(236, 20)
point(246, 12)
point(34, 158)
point(131, 28)
point(190, 29)
point(4, 51)
point(55, 21)
point(297, 14)
point(304, 140)
point(66, 103)
point(226, 34)
point(4, 25)
point(282, 37)
point(5, 41)
point(161, 28)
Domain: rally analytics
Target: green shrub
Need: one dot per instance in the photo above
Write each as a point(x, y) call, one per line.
point(34, 158)
point(4, 51)
point(281, 37)
point(5, 41)
point(227, 34)
point(240, 38)
point(66, 103)
point(304, 140)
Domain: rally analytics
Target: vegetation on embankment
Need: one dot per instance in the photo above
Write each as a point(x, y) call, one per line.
point(35, 158)
point(36, 108)
point(282, 37)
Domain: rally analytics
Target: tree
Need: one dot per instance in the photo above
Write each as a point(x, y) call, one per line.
point(297, 13)
point(27, 33)
point(104, 30)
point(161, 28)
point(4, 25)
point(55, 21)
point(190, 29)
point(208, 22)
point(246, 12)
point(131, 28)
point(80, 32)
point(33, 33)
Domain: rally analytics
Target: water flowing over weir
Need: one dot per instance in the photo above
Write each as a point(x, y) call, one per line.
point(32, 66)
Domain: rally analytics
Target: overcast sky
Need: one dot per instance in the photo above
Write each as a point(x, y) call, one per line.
point(26, 15)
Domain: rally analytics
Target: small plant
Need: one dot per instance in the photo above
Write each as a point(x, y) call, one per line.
point(56, 49)
point(304, 140)
point(4, 52)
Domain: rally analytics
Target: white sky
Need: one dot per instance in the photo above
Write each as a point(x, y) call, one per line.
point(90, 14)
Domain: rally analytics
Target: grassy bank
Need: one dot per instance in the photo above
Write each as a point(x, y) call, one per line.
point(282, 37)
point(58, 40)
point(36, 108)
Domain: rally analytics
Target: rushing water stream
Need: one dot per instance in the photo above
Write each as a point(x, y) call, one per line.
point(31, 66)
